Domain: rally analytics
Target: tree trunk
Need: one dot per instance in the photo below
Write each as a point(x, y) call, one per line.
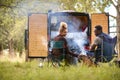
point(1, 49)
point(118, 28)
point(11, 49)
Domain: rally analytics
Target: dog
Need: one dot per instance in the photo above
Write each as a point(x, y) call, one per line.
point(87, 60)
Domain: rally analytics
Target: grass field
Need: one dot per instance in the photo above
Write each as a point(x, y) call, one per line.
point(31, 71)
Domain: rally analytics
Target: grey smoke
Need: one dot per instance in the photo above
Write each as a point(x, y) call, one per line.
point(76, 39)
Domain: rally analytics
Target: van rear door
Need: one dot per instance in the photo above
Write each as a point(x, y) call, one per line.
point(37, 35)
point(99, 19)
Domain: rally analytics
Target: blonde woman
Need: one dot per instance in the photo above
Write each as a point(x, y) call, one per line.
point(63, 30)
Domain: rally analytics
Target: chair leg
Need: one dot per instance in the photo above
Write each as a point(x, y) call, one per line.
point(50, 61)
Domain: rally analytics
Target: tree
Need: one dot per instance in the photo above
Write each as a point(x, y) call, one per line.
point(8, 21)
point(116, 4)
point(13, 20)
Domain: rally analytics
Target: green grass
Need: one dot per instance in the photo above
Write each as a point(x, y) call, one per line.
point(31, 71)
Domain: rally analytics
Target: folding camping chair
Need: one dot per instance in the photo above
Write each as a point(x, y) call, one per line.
point(107, 49)
point(56, 60)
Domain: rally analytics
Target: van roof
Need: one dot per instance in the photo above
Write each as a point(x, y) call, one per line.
point(68, 12)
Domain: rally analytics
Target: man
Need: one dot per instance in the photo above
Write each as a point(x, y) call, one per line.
point(98, 40)
point(97, 45)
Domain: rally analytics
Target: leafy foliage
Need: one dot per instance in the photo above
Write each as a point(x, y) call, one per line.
point(9, 22)
point(90, 6)
point(13, 19)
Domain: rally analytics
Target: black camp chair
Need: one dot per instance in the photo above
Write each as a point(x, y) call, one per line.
point(56, 61)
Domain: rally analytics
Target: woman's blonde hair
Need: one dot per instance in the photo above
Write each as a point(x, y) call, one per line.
point(63, 27)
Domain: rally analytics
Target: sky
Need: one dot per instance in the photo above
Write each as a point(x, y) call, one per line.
point(112, 11)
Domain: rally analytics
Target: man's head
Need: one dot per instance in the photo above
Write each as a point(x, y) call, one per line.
point(63, 29)
point(98, 30)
